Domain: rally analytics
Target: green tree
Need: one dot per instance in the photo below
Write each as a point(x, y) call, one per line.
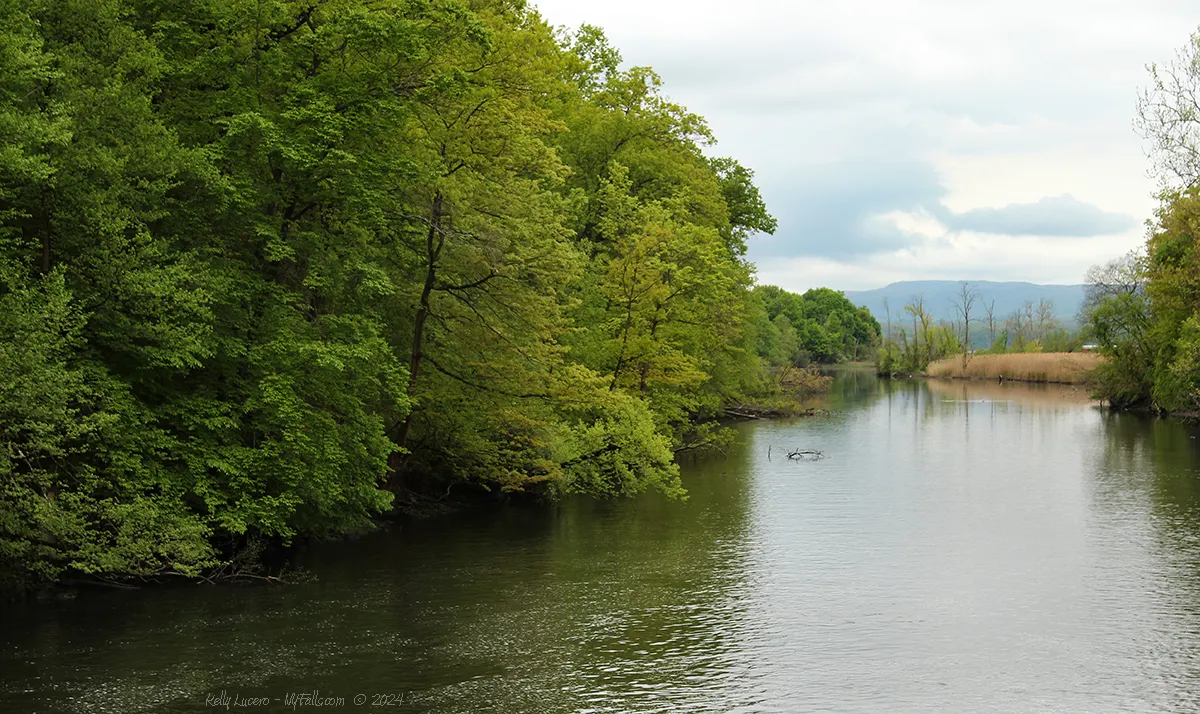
point(266, 270)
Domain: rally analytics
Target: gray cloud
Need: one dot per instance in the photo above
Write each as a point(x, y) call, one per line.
point(843, 110)
point(1058, 216)
point(831, 210)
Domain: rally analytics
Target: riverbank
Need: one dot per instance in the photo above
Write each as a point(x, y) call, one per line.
point(1051, 367)
point(791, 396)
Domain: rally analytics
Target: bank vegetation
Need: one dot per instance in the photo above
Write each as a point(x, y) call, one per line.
point(925, 341)
point(1144, 307)
point(1058, 367)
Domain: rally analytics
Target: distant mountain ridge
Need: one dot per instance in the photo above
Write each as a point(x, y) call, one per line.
point(940, 296)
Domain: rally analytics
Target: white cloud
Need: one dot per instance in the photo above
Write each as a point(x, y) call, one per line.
point(1108, 173)
point(851, 110)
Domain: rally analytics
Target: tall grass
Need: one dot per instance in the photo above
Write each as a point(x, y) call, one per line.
point(1065, 367)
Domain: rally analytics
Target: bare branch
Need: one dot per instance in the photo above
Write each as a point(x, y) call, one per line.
point(1168, 116)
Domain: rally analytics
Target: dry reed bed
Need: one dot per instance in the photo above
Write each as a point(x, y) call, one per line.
point(1064, 367)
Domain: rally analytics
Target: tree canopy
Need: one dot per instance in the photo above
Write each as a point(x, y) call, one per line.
point(828, 327)
point(270, 270)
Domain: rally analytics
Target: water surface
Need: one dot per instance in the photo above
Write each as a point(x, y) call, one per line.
point(963, 547)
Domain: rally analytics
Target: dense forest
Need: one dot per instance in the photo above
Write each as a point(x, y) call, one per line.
point(269, 270)
point(819, 326)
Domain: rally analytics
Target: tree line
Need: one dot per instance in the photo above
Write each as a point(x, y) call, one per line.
point(918, 337)
point(269, 270)
point(819, 326)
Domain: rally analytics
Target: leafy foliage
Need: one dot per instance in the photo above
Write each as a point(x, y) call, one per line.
point(268, 270)
point(1143, 312)
point(1144, 308)
point(827, 327)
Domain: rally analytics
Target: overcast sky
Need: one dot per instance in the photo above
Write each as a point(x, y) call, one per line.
point(917, 139)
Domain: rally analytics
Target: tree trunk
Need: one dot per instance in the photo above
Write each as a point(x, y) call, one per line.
point(612, 387)
point(646, 362)
point(433, 248)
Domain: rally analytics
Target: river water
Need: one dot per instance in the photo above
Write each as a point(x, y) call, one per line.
point(960, 548)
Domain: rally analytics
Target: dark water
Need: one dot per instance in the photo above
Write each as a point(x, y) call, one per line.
point(962, 548)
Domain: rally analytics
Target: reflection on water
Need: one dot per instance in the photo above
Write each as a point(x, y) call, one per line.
point(1026, 393)
point(964, 547)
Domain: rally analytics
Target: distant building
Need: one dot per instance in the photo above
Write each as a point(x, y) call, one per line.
point(1090, 348)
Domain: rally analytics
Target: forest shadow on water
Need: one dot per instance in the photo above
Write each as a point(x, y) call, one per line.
point(960, 547)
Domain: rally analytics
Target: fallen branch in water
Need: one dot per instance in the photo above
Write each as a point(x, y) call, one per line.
point(715, 443)
point(730, 411)
point(805, 455)
point(748, 411)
